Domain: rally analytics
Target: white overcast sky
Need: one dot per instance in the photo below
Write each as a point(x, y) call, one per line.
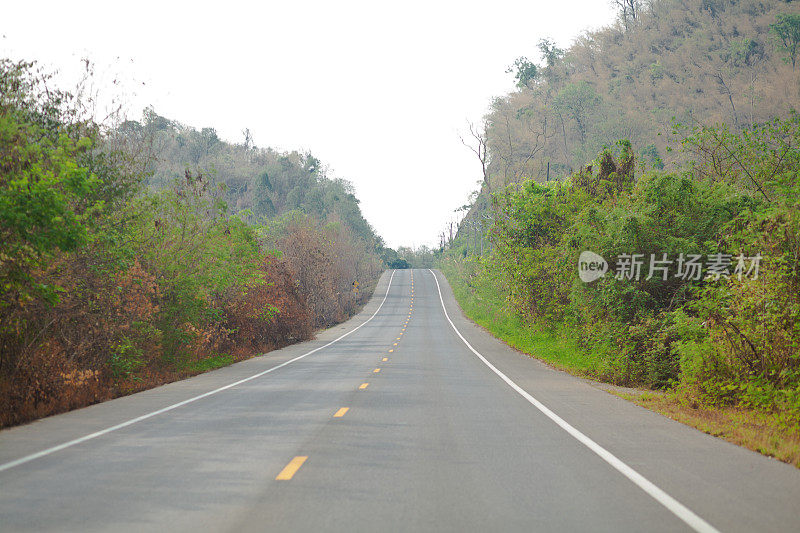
point(378, 90)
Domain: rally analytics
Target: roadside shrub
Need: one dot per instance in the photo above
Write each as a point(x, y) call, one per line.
point(107, 287)
point(729, 339)
point(268, 315)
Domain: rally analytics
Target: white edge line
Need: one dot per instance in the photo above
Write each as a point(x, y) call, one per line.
point(676, 507)
point(48, 451)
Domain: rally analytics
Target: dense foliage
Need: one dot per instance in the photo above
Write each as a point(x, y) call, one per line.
point(122, 264)
point(261, 180)
point(726, 335)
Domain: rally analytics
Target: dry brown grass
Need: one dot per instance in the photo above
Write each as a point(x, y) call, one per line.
point(771, 434)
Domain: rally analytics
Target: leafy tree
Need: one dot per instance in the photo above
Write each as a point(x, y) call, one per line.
point(46, 202)
point(185, 235)
point(786, 29)
point(525, 72)
point(263, 203)
point(551, 53)
point(578, 101)
point(399, 263)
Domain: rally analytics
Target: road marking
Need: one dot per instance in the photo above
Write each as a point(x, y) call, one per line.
point(291, 469)
point(390, 351)
point(90, 436)
point(395, 344)
point(385, 359)
point(377, 370)
point(363, 386)
point(340, 413)
point(398, 338)
point(676, 507)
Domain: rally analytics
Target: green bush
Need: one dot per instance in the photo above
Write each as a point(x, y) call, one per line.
point(732, 339)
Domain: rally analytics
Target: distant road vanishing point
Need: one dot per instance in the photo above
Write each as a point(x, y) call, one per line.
point(408, 417)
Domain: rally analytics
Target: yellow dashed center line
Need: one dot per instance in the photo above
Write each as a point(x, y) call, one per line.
point(340, 413)
point(395, 344)
point(385, 359)
point(390, 351)
point(377, 370)
point(363, 386)
point(294, 465)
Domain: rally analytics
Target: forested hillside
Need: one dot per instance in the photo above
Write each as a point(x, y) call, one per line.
point(140, 252)
point(665, 61)
point(262, 180)
point(693, 221)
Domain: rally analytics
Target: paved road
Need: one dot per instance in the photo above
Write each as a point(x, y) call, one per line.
point(439, 427)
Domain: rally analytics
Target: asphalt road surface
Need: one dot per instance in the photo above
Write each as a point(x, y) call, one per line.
point(406, 418)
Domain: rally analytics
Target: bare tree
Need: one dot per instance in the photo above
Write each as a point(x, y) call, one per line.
point(628, 11)
point(478, 146)
point(725, 89)
point(520, 149)
point(442, 240)
point(248, 139)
